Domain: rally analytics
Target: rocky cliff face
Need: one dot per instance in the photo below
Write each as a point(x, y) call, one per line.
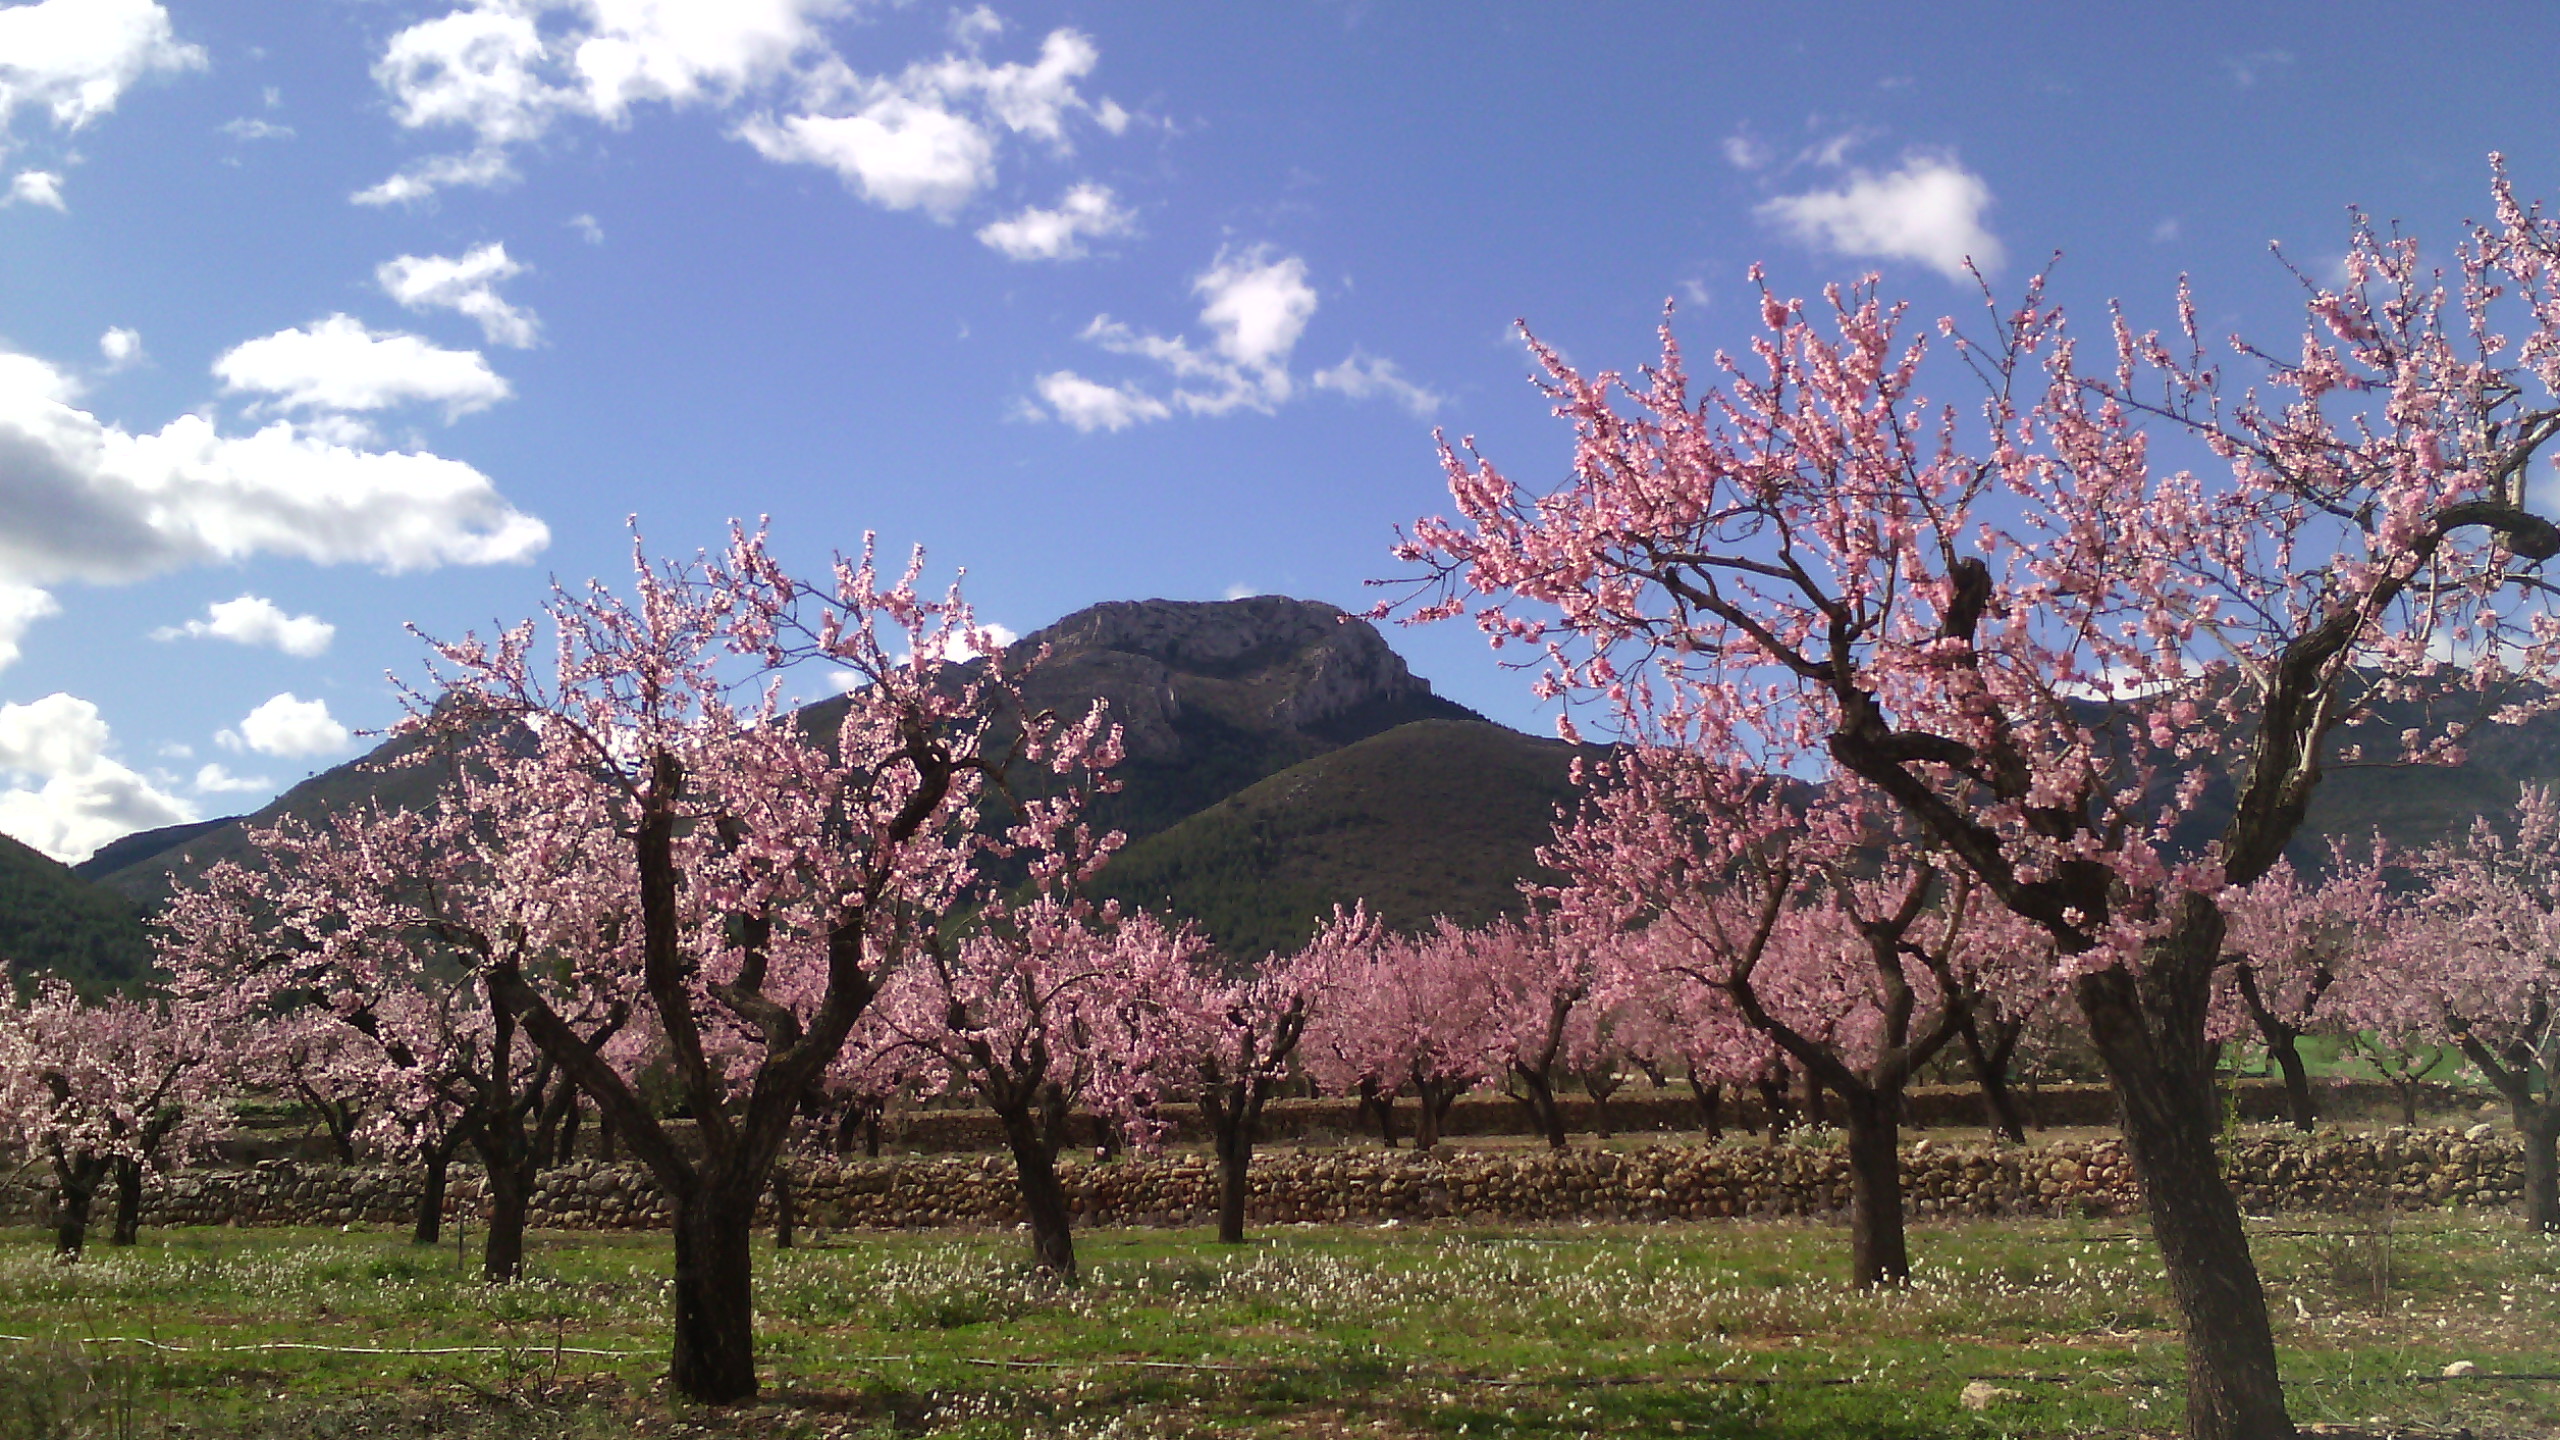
point(1171, 668)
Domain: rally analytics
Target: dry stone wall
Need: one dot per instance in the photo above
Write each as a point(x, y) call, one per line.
point(2340, 1171)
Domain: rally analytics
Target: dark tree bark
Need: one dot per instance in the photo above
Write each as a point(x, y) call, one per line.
point(2282, 1042)
point(75, 1190)
point(1990, 1059)
point(128, 1223)
point(1774, 1111)
point(715, 1353)
point(1435, 1096)
point(2513, 1071)
point(1381, 1103)
point(510, 1193)
point(784, 1218)
point(2150, 1032)
point(1879, 1252)
point(435, 1165)
point(1233, 1104)
point(1710, 1097)
point(1537, 1094)
point(1599, 1083)
point(1035, 1147)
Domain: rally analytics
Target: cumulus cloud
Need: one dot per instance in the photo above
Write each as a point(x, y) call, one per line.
point(1255, 305)
point(338, 365)
point(1363, 377)
point(215, 780)
point(250, 128)
point(255, 620)
point(64, 796)
point(74, 58)
point(1059, 234)
point(925, 138)
point(288, 726)
point(467, 284)
point(83, 499)
point(896, 152)
point(1091, 405)
point(21, 606)
point(1929, 210)
point(36, 187)
point(120, 347)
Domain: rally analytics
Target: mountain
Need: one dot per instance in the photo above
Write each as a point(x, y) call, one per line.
point(1211, 695)
point(52, 919)
point(1433, 817)
point(143, 867)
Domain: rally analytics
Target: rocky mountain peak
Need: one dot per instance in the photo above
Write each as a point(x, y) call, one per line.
point(1264, 664)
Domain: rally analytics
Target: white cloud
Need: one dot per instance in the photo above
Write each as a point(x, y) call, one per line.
point(2165, 232)
point(1089, 405)
point(21, 606)
point(587, 228)
point(897, 152)
point(66, 798)
point(250, 128)
point(1929, 210)
point(36, 187)
point(288, 726)
point(1240, 591)
point(215, 780)
point(1036, 234)
point(480, 169)
point(1363, 377)
point(121, 347)
point(82, 499)
point(338, 365)
point(1255, 304)
point(1744, 153)
point(925, 138)
point(74, 58)
point(467, 284)
point(256, 620)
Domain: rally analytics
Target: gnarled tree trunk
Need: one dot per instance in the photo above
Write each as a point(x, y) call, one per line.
point(128, 1227)
point(715, 1349)
point(1879, 1252)
point(2149, 1029)
point(1044, 1195)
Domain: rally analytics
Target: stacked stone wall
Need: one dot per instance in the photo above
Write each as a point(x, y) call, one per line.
point(2272, 1171)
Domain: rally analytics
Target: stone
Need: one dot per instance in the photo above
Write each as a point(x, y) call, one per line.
point(2458, 1369)
point(1980, 1395)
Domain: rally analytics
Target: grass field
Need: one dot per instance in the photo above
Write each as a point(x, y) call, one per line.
point(1716, 1329)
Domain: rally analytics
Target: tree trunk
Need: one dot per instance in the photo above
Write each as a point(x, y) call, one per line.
point(783, 1217)
point(2539, 1127)
point(1990, 1062)
point(2297, 1080)
point(1878, 1251)
point(2150, 1032)
point(128, 1202)
point(1599, 1085)
point(1816, 1112)
point(1773, 1103)
point(1044, 1195)
point(1435, 1100)
point(715, 1343)
point(1235, 1178)
point(1372, 1099)
point(568, 1149)
point(430, 1226)
point(2408, 1090)
point(76, 1186)
point(510, 1193)
point(1710, 1095)
point(1538, 1094)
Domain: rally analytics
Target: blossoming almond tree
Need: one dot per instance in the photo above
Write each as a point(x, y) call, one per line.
point(1770, 907)
point(104, 1091)
point(2039, 644)
point(775, 873)
point(2288, 942)
point(1409, 1012)
point(385, 921)
point(1226, 1041)
point(2477, 965)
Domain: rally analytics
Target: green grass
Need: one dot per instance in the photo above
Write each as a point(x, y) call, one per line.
point(1719, 1330)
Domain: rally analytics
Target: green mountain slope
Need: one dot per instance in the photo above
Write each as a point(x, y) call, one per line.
point(1435, 817)
point(52, 919)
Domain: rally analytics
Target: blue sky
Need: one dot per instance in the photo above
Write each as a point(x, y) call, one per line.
point(319, 317)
